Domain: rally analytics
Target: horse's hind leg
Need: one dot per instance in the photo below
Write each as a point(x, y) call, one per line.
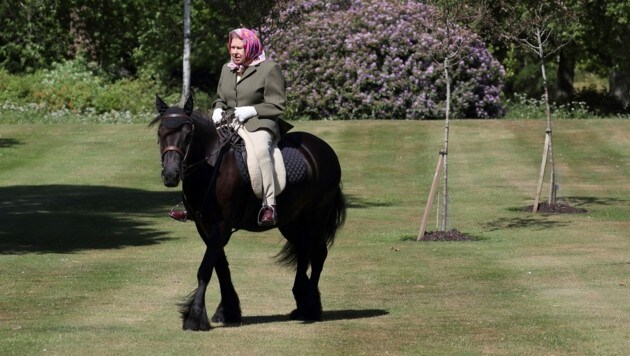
point(301, 287)
point(307, 249)
point(308, 298)
point(229, 309)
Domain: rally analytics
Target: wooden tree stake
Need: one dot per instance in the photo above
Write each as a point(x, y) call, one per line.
point(427, 208)
point(541, 177)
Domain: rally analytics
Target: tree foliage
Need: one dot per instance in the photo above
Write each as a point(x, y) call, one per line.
point(140, 38)
point(143, 39)
point(31, 33)
point(603, 33)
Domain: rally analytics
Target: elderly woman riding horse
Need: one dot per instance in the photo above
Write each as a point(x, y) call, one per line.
point(220, 200)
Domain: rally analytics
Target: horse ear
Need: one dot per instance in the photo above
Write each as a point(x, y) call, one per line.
point(189, 105)
point(160, 105)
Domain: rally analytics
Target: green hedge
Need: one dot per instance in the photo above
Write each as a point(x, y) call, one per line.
point(76, 91)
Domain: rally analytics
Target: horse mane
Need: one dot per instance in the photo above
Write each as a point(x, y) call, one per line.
point(201, 118)
point(155, 120)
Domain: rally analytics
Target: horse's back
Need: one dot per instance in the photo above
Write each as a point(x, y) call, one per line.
point(319, 155)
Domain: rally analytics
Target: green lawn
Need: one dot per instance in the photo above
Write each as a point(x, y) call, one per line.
point(91, 264)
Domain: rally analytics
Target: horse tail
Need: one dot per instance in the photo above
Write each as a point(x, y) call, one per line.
point(287, 257)
point(336, 218)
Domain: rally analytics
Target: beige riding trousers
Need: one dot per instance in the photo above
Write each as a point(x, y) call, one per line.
point(263, 141)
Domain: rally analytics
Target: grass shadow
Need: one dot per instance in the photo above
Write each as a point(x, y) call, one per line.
point(541, 223)
point(581, 201)
point(353, 202)
point(9, 142)
point(330, 315)
point(70, 218)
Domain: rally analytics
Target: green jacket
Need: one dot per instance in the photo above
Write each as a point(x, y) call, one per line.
point(262, 86)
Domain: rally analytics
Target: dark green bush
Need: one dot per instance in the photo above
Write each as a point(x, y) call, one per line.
point(78, 87)
point(600, 102)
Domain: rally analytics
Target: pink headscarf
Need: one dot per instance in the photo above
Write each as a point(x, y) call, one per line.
point(254, 52)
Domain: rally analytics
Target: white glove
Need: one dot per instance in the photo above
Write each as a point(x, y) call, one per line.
point(243, 113)
point(217, 115)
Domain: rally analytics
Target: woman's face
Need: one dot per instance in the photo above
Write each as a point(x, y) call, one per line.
point(237, 50)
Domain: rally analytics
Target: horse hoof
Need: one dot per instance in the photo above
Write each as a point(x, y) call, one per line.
point(227, 316)
point(308, 316)
point(296, 315)
point(190, 325)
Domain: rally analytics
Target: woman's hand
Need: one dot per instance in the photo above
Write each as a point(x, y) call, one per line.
point(243, 113)
point(217, 115)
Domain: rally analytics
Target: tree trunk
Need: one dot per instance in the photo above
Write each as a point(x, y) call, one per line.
point(620, 87)
point(566, 73)
point(446, 128)
point(549, 138)
point(186, 56)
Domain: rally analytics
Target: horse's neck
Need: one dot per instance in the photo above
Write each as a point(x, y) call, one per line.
point(205, 141)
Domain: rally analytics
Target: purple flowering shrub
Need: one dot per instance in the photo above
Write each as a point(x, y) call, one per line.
point(378, 59)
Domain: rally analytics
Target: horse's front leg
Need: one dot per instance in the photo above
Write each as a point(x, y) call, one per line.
point(193, 311)
point(229, 309)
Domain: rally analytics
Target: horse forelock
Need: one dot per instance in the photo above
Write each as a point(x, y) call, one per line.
point(204, 132)
point(172, 118)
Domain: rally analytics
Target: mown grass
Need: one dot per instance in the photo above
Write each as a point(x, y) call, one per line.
point(90, 263)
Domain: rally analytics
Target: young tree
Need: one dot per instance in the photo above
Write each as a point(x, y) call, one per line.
point(537, 26)
point(449, 17)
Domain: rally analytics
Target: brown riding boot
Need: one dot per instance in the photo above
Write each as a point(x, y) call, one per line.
point(267, 216)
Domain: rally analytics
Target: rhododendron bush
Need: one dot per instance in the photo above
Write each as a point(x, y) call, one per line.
point(378, 59)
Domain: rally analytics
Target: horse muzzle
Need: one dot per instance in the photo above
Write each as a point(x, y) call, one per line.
point(171, 165)
point(171, 174)
point(170, 178)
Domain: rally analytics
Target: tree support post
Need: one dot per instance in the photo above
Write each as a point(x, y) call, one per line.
point(427, 208)
point(543, 165)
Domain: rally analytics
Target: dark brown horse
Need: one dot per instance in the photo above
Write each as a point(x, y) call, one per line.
point(221, 201)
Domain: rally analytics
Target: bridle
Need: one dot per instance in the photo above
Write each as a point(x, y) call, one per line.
point(226, 132)
point(178, 120)
point(186, 120)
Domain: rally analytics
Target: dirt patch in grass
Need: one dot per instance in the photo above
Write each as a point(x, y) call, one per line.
point(558, 208)
point(451, 235)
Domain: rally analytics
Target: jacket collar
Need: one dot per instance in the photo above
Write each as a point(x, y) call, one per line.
point(248, 72)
